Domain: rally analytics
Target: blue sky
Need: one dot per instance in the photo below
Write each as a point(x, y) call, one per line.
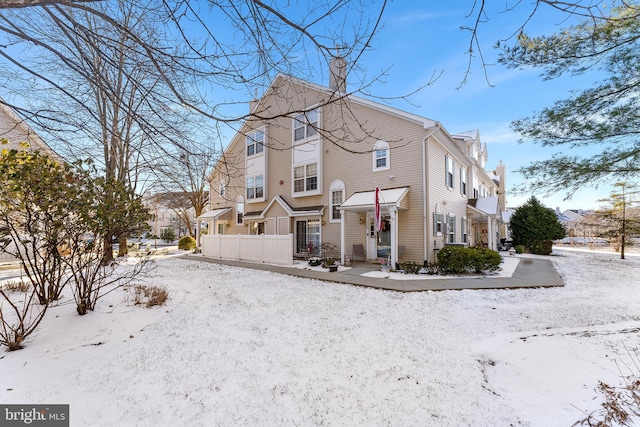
point(424, 38)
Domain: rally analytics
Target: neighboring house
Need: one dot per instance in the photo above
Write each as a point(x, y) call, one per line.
point(16, 131)
point(170, 210)
point(314, 174)
point(563, 219)
point(579, 223)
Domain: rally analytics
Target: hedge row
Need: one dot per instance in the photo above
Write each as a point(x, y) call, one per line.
point(460, 260)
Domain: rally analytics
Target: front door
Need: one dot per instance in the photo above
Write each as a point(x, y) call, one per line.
point(307, 236)
point(378, 242)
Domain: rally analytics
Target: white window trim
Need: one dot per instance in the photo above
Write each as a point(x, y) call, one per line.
point(264, 192)
point(381, 146)
point(450, 171)
point(318, 189)
point(451, 231)
point(337, 185)
point(438, 218)
point(306, 125)
point(263, 143)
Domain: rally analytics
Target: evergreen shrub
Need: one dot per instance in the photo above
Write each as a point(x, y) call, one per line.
point(187, 243)
point(461, 260)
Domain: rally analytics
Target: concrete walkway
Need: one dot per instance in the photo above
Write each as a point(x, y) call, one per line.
point(530, 273)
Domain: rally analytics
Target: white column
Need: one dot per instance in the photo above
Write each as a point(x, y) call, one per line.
point(490, 232)
point(394, 237)
point(197, 235)
point(342, 236)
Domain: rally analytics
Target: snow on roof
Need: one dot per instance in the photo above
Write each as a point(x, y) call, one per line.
point(488, 205)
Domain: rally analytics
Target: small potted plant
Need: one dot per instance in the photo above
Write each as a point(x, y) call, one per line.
point(330, 263)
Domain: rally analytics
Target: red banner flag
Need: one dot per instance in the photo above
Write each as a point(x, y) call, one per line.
point(377, 212)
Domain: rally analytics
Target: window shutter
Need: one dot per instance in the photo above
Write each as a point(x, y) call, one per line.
point(445, 227)
point(446, 170)
point(453, 174)
point(434, 223)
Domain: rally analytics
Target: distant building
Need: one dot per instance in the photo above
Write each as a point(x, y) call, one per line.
point(579, 223)
point(15, 130)
point(170, 210)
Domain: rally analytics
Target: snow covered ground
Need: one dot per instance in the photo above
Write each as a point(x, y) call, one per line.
point(242, 347)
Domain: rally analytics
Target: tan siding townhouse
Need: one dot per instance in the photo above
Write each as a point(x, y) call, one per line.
point(309, 163)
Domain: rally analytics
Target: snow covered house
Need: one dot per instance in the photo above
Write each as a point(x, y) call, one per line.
point(310, 159)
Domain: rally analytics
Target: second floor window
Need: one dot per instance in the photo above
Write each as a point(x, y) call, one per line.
point(255, 187)
point(305, 125)
point(305, 178)
point(463, 181)
point(381, 156)
point(450, 166)
point(476, 187)
point(255, 142)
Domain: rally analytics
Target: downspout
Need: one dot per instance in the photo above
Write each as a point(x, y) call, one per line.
point(425, 191)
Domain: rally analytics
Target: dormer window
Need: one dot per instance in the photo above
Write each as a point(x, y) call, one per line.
point(305, 125)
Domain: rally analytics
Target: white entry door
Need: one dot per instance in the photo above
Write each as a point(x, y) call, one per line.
point(372, 244)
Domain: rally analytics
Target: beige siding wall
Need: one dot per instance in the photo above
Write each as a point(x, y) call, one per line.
point(15, 131)
point(446, 200)
point(347, 155)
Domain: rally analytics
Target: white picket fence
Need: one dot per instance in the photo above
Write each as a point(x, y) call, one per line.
point(267, 248)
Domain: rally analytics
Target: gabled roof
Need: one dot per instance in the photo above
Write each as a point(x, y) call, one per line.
point(486, 205)
point(214, 214)
point(16, 130)
point(293, 212)
point(426, 122)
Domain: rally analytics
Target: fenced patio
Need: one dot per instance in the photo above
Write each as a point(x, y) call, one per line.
point(272, 249)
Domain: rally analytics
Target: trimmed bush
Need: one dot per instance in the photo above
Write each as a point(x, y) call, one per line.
point(519, 249)
point(543, 247)
point(484, 259)
point(461, 260)
point(187, 243)
point(454, 260)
